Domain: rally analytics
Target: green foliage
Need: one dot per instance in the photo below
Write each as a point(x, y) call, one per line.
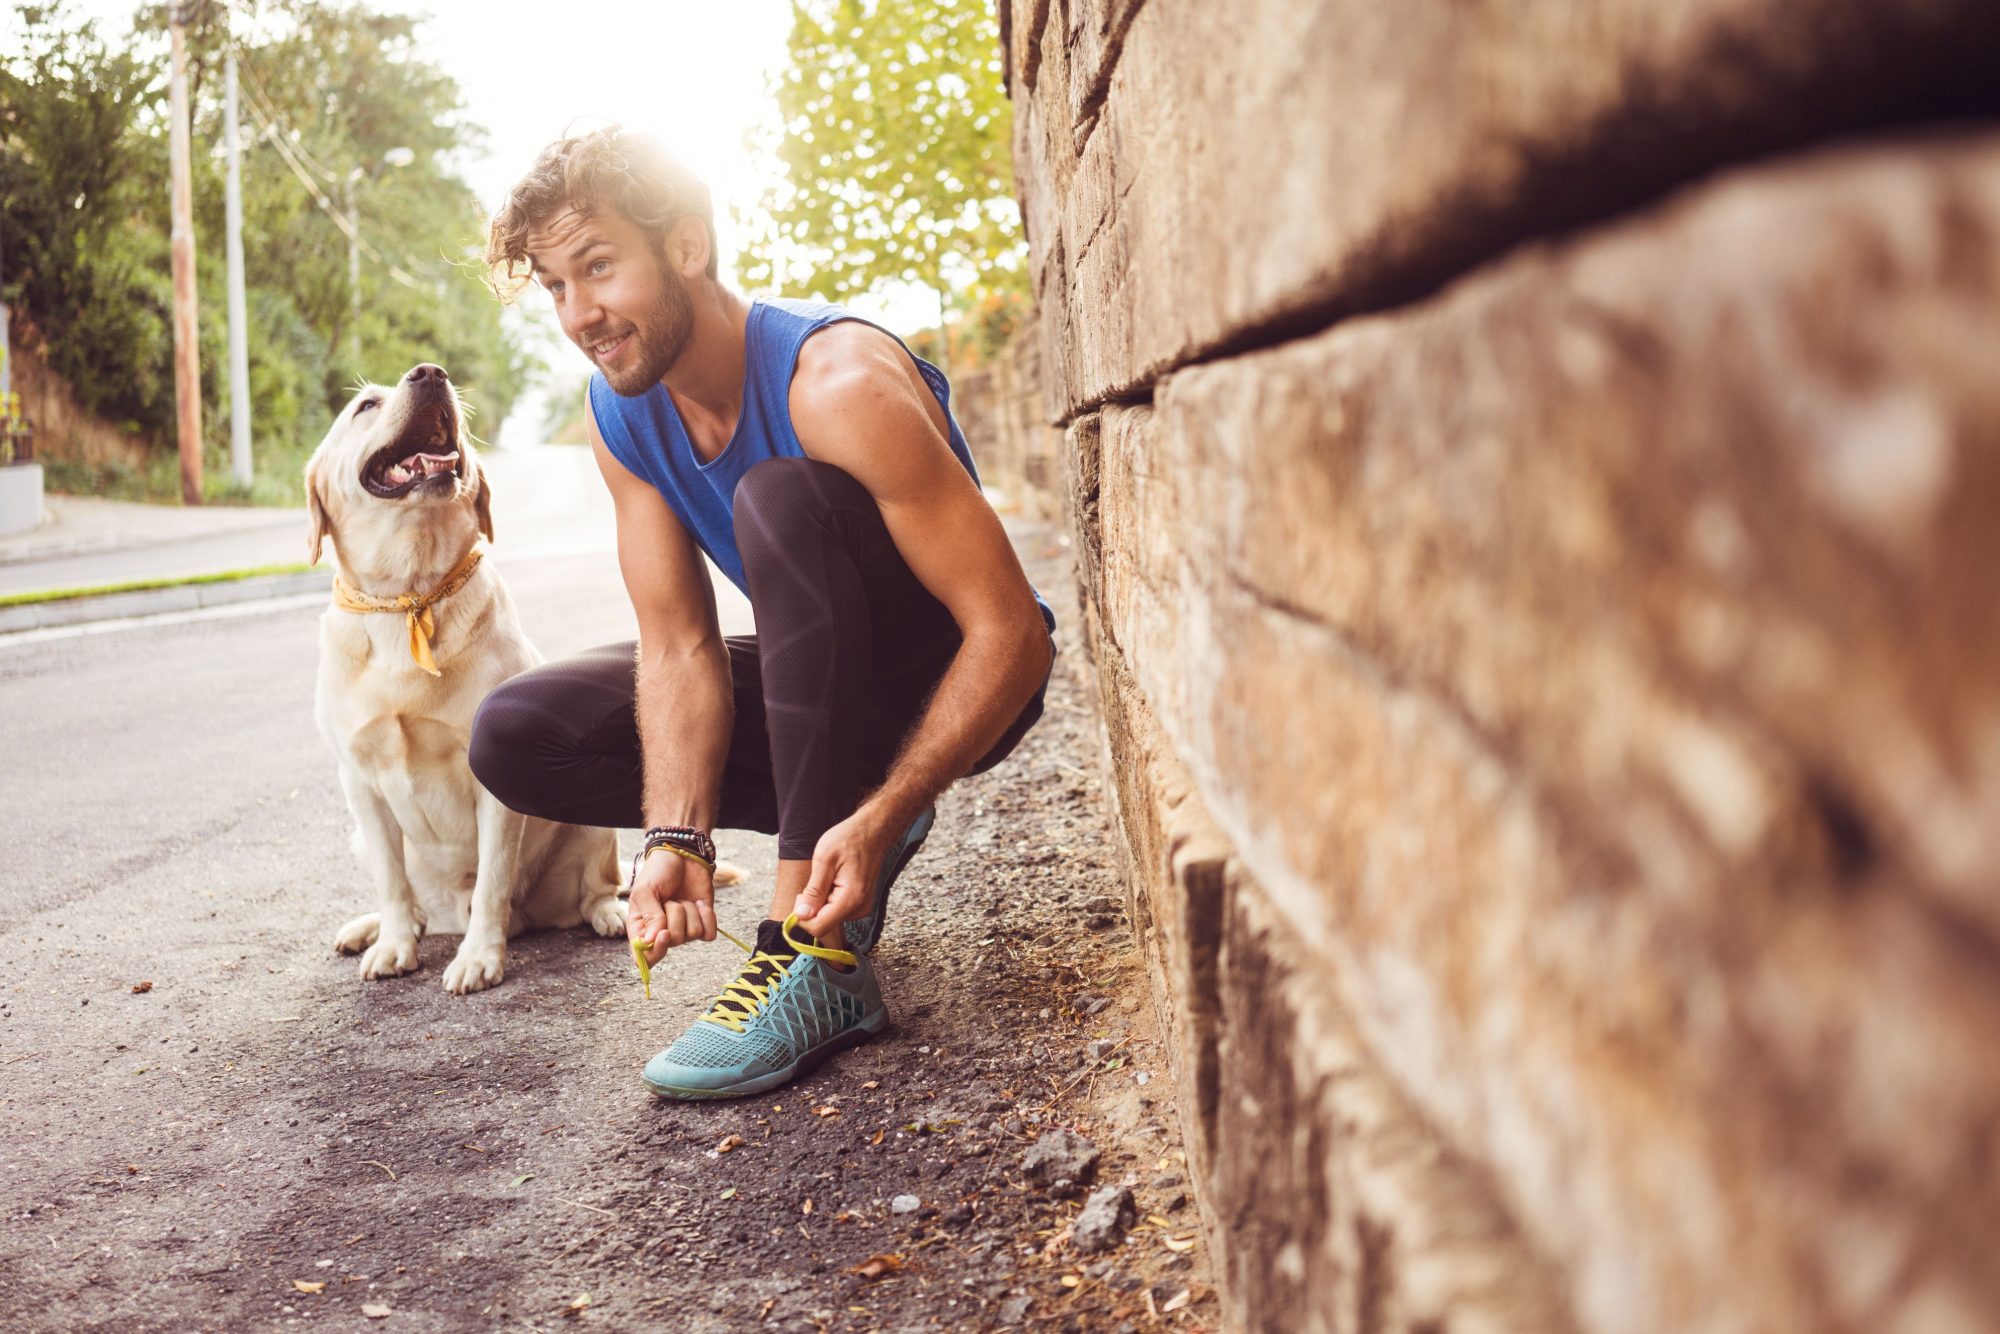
point(340, 113)
point(896, 155)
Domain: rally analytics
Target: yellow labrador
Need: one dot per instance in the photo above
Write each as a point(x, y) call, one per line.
point(421, 629)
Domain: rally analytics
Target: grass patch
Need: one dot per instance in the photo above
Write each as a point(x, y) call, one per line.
point(141, 585)
point(275, 478)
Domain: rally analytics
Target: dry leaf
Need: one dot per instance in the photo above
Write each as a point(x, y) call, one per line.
point(377, 1310)
point(808, 1207)
point(474, 1147)
point(1072, 1280)
point(579, 1306)
point(729, 1194)
point(826, 1111)
point(729, 1142)
point(141, 988)
point(879, 1134)
point(1179, 1243)
point(875, 1266)
point(1157, 1221)
point(304, 1286)
point(872, 1084)
point(1177, 1301)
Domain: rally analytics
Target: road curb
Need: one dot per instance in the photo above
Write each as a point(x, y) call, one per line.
point(155, 601)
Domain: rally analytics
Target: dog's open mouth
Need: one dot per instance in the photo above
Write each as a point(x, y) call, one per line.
point(421, 456)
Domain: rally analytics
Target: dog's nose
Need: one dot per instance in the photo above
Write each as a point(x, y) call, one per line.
point(426, 371)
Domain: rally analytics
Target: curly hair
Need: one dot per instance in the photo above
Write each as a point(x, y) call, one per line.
point(581, 173)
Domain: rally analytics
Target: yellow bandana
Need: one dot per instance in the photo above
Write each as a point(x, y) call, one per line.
point(417, 606)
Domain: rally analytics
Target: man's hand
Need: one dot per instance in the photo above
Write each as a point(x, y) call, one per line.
point(673, 903)
point(845, 862)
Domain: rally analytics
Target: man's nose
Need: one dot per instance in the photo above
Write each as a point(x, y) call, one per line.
point(423, 372)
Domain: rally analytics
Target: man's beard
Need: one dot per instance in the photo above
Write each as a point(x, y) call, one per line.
point(657, 339)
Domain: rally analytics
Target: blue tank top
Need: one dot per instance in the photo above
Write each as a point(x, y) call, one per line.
point(646, 435)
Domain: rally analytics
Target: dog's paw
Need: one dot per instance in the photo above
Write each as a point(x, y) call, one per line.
point(358, 934)
point(727, 873)
point(390, 956)
point(477, 966)
point(606, 917)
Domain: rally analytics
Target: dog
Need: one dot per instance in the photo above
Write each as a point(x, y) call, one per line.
point(420, 630)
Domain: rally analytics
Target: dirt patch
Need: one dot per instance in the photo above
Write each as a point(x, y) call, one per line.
point(493, 1162)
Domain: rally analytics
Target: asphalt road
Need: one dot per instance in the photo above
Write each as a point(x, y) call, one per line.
point(211, 1123)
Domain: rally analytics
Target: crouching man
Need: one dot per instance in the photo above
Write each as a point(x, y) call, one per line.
point(899, 646)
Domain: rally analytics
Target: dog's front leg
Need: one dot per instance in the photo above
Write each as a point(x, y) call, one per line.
point(481, 960)
point(379, 843)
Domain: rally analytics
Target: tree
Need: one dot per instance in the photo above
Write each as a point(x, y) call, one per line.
point(896, 155)
point(342, 113)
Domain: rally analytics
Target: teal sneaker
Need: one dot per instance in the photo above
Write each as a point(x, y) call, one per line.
point(788, 1011)
point(864, 931)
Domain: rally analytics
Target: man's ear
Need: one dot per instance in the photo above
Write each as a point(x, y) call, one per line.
point(316, 508)
point(689, 246)
point(482, 505)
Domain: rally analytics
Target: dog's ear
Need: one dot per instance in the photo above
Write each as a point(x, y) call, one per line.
point(316, 508)
point(482, 505)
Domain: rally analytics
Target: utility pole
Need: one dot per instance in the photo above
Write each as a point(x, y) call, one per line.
point(239, 327)
point(187, 349)
point(353, 276)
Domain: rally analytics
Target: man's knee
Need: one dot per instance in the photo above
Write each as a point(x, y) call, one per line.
point(503, 737)
point(774, 498)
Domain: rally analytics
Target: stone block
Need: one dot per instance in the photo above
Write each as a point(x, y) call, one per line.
point(1594, 669)
point(1245, 171)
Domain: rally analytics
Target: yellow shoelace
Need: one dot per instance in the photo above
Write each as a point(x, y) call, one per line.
point(748, 994)
point(745, 991)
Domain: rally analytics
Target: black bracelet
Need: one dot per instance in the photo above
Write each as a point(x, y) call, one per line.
point(682, 836)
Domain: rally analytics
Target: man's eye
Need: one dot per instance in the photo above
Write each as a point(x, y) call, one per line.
point(366, 404)
point(555, 289)
point(599, 265)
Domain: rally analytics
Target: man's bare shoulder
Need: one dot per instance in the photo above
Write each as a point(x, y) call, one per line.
point(850, 358)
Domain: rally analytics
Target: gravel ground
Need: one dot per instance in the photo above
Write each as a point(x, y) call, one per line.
point(262, 1141)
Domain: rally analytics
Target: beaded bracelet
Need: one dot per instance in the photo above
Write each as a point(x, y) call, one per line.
point(694, 840)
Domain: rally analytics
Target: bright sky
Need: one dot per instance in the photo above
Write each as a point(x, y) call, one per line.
point(695, 74)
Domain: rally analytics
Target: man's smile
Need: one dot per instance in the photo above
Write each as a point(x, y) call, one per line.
point(607, 349)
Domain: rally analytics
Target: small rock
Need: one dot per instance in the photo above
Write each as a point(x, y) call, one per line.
point(1105, 1217)
point(905, 1204)
point(1099, 1049)
point(1061, 1161)
point(958, 1216)
point(1168, 1180)
point(1103, 903)
point(1014, 1310)
point(1103, 921)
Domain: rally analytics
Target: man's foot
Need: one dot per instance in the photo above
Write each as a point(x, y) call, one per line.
point(789, 1010)
point(864, 931)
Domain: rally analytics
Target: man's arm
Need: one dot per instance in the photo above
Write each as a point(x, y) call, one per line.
point(684, 702)
point(858, 402)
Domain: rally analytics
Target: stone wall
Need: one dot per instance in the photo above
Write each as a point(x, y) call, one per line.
point(999, 407)
point(1537, 475)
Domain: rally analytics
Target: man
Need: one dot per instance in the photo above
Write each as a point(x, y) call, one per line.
point(899, 646)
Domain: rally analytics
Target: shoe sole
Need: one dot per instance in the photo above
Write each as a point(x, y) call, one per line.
point(882, 904)
point(813, 1057)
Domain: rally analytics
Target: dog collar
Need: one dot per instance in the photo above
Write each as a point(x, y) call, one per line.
point(415, 606)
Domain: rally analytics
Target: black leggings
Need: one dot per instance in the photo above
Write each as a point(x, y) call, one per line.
point(849, 649)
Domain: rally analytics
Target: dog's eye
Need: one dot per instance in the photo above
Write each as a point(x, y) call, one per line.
point(366, 404)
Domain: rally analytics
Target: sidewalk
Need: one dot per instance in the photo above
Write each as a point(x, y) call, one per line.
point(547, 500)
